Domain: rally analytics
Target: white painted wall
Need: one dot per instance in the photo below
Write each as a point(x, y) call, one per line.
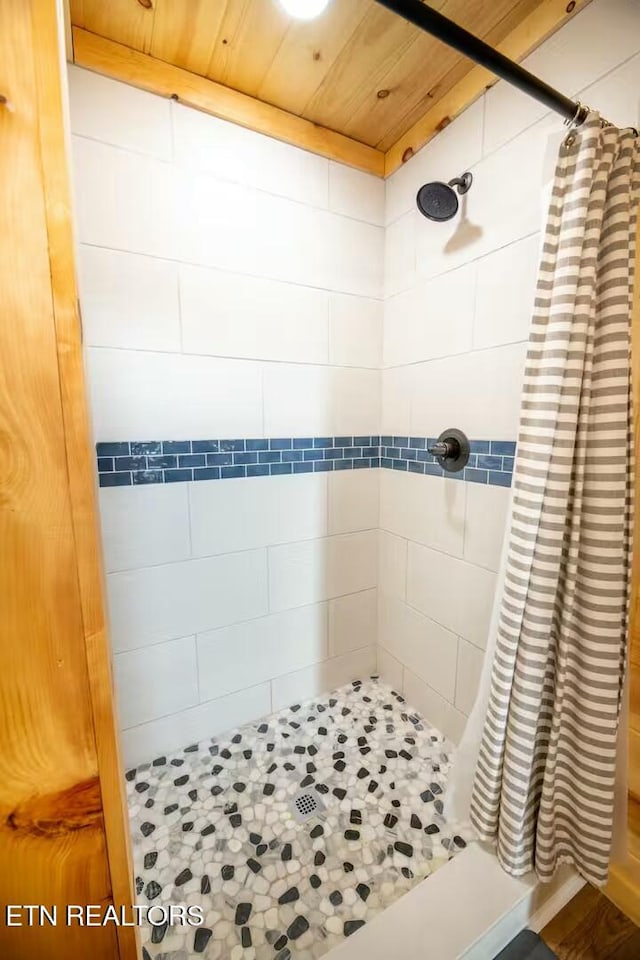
point(230, 287)
point(457, 308)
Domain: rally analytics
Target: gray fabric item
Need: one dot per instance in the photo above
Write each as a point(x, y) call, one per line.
point(526, 946)
point(545, 777)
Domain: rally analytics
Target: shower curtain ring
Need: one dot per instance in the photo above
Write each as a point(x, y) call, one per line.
point(581, 114)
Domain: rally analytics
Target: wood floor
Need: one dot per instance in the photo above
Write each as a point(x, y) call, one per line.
point(592, 928)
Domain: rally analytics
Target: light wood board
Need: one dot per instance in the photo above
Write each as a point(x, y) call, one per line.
point(63, 829)
point(355, 83)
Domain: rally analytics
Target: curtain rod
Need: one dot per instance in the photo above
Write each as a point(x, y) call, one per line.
point(460, 39)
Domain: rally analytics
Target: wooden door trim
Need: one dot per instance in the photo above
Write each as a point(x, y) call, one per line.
point(59, 751)
point(56, 160)
point(624, 878)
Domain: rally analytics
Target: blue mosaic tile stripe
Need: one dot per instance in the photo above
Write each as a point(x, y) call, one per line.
point(490, 461)
point(127, 463)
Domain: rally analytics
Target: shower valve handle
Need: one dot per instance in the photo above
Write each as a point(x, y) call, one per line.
point(449, 448)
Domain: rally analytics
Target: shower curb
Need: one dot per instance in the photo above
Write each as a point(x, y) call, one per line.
point(497, 908)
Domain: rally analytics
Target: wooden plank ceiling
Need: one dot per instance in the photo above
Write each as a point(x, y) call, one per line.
point(357, 70)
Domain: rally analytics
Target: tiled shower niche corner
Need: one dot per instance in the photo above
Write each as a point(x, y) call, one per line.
point(215, 825)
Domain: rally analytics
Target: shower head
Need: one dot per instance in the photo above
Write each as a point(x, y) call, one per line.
point(438, 201)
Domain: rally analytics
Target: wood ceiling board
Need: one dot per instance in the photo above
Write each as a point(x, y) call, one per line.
point(185, 34)
point(249, 39)
point(408, 82)
point(140, 70)
point(125, 21)
point(381, 38)
point(456, 68)
point(307, 54)
point(544, 20)
point(362, 47)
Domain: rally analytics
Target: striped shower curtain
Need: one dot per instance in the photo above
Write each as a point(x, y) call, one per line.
point(544, 781)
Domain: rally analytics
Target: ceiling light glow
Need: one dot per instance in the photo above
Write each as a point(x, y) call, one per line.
point(304, 9)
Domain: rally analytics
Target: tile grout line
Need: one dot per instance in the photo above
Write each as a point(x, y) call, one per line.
point(238, 273)
point(464, 522)
point(444, 553)
point(456, 670)
point(195, 642)
point(178, 713)
point(240, 690)
point(236, 623)
point(191, 554)
point(405, 594)
point(267, 552)
point(443, 356)
point(427, 278)
point(244, 359)
point(180, 168)
point(234, 553)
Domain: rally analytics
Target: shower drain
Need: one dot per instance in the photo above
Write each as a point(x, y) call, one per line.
point(306, 805)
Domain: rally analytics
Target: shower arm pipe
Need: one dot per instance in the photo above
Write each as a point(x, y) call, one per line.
point(466, 43)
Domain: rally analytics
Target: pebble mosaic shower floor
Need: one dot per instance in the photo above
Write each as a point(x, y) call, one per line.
point(214, 825)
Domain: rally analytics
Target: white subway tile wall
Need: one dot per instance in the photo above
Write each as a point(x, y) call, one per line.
point(129, 301)
point(221, 317)
point(254, 651)
point(144, 526)
point(458, 303)
point(573, 60)
point(478, 391)
point(353, 501)
point(169, 600)
point(311, 681)
point(234, 286)
point(171, 681)
point(428, 510)
point(413, 330)
point(355, 331)
point(231, 287)
point(147, 395)
point(485, 520)
point(419, 642)
point(314, 570)
point(349, 617)
point(120, 115)
point(355, 195)
point(452, 592)
point(228, 152)
point(236, 515)
point(169, 733)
